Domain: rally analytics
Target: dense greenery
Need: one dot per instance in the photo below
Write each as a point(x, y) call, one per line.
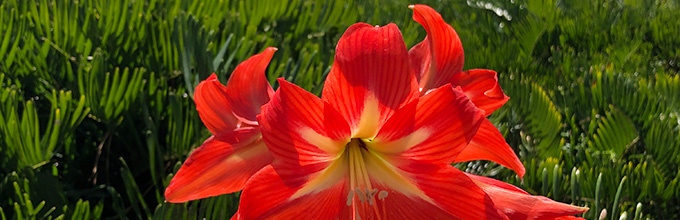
point(97, 110)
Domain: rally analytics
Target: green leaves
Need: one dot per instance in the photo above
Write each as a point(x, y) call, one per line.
point(110, 93)
point(588, 87)
point(594, 87)
point(543, 120)
point(30, 140)
point(615, 134)
point(25, 207)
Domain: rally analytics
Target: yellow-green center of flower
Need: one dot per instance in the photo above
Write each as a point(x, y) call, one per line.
point(367, 169)
point(356, 155)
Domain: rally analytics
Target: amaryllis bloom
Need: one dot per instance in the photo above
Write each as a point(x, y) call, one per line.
point(438, 60)
point(373, 147)
point(235, 151)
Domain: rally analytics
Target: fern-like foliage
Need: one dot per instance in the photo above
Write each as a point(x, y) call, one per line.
point(97, 105)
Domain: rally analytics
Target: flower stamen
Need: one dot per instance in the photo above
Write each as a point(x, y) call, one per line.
point(360, 184)
point(358, 175)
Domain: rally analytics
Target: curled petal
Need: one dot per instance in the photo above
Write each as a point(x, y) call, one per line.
point(248, 88)
point(221, 165)
point(370, 77)
point(482, 87)
point(440, 55)
point(518, 204)
point(212, 105)
point(439, 59)
point(489, 144)
point(300, 130)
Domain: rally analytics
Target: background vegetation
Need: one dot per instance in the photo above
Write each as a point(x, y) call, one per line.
point(97, 110)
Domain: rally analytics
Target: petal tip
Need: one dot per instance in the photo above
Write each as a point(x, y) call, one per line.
point(271, 50)
point(281, 80)
point(356, 26)
point(212, 76)
point(520, 172)
point(419, 7)
point(170, 196)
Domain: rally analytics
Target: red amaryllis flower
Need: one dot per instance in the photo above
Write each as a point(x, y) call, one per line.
point(372, 147)
point(438, 60)
point(235, 151)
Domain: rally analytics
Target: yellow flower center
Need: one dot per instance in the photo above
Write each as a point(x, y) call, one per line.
point(368, 170)
point(356, 154)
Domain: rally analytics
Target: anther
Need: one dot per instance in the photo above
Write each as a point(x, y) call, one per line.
point(361, 195)
point(382, 195)
point(350, 196)
point(370, 194)
point(373, 192)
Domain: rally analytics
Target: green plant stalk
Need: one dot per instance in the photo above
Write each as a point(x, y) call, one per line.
point(617, 198)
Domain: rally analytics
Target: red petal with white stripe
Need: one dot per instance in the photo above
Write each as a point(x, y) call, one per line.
point(302, 132)
point(370, 77)
point(221, 165)
point(433, 133)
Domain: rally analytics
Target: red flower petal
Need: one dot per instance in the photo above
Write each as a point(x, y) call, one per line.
point(395, 205)
point(439, 59)
point(434, 132)
point(517, 204)
point(457, 194)
point(370, 77)
point(482, 87)
point(300, 130)
point(489, 144)
point(221, 165)
point(568, 218)
point(271, 194)
point(440, 55)
point(248, 88)
point(420, 58)
point(213, 106)
point(268, 193)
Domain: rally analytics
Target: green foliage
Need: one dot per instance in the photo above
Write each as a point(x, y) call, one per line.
point(615, 133)
point(23, 198)
point(26, 141)
point(97, 105)
point(542, 117)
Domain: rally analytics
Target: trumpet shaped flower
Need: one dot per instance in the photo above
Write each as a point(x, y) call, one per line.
point(225, 161)
point(374, 146)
